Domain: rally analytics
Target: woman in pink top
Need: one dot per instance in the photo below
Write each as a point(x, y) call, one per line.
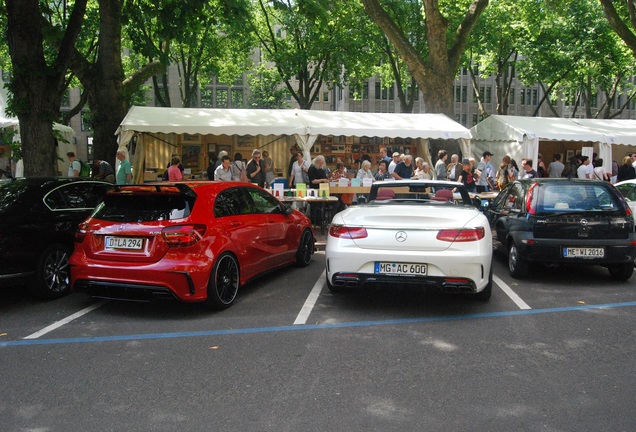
point(174, 173)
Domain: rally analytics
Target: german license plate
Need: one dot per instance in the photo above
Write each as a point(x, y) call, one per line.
point(583, 252)
point(404, 269)
point(123, 243)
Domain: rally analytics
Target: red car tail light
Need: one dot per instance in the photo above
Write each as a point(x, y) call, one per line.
point(81, 232)
point(183, 235)
point(462, 234)
point(341, 231)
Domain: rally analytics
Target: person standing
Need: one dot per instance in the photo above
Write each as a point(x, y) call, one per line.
point(585, 170)
point(174, 173)
point(298, 173)
point(600, 172)
point(528, 171)
point(269, 168)
point(75, 167)
point(483, 183)
point(124, 172)
point(555, 168)
point(505, 174)
point(238, 169)
point(223, 171)
point(385, 156)
point(404, 170)
point(256, 169)
point(104, 171)
point(626, 171)
point(467, 175)
point(394, 162)
point(453, 168)
point(211, 164)
point(440, 165)
point(383, 171)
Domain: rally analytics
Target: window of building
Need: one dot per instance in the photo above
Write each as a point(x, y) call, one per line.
point(237, 98)
point(475, 119)
point(458, 93)
point(87, 120)
point(488, 97)
point(511, 96)
point(464, 119)
point(325, 96)
point(206, 98)
point(222, 100)
point(522, 96)
point(464, 93)
point(66, 99)
point(535, 96)
point(594, 100)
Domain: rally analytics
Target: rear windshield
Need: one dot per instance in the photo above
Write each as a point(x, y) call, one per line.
point(580, 196)
point(127, 207)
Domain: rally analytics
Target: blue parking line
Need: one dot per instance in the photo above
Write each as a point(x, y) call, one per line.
point(277, 329)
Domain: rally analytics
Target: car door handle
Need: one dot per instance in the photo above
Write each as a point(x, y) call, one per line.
point(235, 224)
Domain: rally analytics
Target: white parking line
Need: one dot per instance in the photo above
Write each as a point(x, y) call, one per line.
point(66, 320)
point(513, 295)
point(311, 300)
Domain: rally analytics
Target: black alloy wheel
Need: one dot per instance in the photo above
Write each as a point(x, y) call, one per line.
point(224, 282)
point(53, 275)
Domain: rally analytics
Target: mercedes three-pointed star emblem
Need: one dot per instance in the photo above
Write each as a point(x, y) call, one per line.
point(400, 236)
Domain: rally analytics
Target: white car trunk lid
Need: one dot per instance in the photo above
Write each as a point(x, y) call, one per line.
point(399, 227)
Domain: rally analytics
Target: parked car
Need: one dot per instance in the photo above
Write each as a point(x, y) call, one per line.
point(412, 232)
point(564, 221)
point(191, 241)
point(38, 220)
point(627, 188)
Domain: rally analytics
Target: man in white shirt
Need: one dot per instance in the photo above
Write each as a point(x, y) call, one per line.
point(75, 167)
point(394, 162)
point(585, 170)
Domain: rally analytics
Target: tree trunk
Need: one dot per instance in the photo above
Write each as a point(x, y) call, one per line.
point(37, 88)
point(436, 75)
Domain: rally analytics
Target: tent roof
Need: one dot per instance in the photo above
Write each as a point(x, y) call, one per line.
point(615, 131)
point(289, 122)
point(514, 128)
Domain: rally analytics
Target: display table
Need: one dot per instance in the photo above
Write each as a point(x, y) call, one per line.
point(349, 189)
point(321, 202)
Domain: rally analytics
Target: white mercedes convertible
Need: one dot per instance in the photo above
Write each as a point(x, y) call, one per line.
point(423, 232)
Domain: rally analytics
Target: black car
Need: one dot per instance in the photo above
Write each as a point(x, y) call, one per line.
point(564, 221)
point(38, 220)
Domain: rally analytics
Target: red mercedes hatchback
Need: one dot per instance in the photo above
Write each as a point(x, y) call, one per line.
point(193, 241)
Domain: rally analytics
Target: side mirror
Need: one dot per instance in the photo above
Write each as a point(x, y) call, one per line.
point(288, 209)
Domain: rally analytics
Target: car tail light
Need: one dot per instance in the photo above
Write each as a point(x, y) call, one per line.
point(81, 232)
point(341, 231)
point(462, 234)
point(529, 207)
point(183, 235)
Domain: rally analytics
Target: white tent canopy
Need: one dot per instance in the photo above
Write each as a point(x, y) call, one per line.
point(304, 125)
point(520, 136)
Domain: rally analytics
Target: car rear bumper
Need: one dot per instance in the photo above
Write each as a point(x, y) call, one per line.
point(452, 271)
point(551, 251)
point(161, 280)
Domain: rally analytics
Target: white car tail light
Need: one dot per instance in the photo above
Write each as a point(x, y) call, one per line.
point(461, 234)
point(341, 231)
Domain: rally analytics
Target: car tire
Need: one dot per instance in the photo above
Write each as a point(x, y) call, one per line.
point(518, 266)
point(484, 295)
point(621, 272)
point(224, 282)
point(53, 273)
point(305, 249)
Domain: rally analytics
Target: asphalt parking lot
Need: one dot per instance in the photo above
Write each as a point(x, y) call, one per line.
point(552, 352)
